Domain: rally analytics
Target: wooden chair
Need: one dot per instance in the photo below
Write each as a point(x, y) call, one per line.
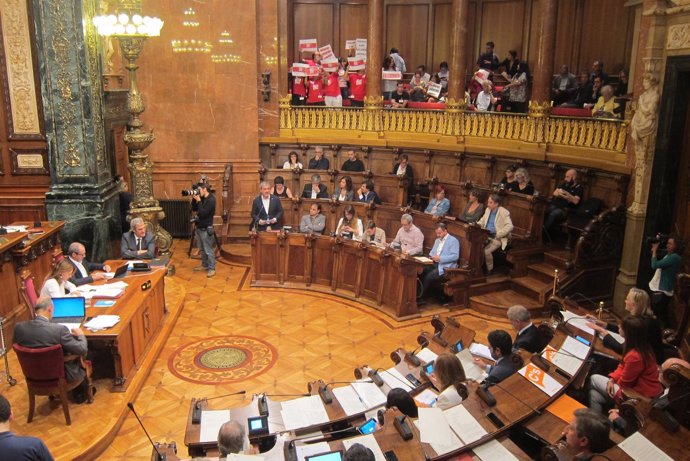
point(28, 292)
point(44, 371)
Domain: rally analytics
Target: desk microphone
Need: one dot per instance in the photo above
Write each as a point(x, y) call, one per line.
point(159, 456)
point(412, 358)
point(326, 394)
point(375, 377)
point(402, 427)
point(196, 411)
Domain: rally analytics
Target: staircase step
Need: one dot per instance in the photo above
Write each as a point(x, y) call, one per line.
point(542, 271)
point(237, 253)
point(558, 258)
point(493, 284)
point(530, 286)
point(497, 303)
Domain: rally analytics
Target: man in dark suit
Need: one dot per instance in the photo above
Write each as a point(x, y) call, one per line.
point(527, 334)
point(76, 256)
point(15, 447)
point(501, 347)
point(367, 194)
point(138, 243)
point(40, 332)
point(267, 211)
point(315, 189)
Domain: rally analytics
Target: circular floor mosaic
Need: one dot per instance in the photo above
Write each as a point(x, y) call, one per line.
point(222, 359)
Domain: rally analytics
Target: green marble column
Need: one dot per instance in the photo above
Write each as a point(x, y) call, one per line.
point(82, 192)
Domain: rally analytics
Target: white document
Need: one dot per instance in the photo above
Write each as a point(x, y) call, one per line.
point(303, 412)
point(577, 321)
point(237, 457)
point(565, 362)
point(427, 397)
point(639, 448)
point(575, 347)
point(433, 427)
point(308, 450)
point(427, 355)
point(493, 450)
point(101, 322)
point(393, 378)
point(617, 337)
point(370, 394)
point(539, 378)
point(118, 284)
point(424, 259)
point(211, 420)
point(368, 441)
point(443, 448)
point(472, 370)
point(464, 424)
point(481, 350)
point(349, 400)
point(11, 229)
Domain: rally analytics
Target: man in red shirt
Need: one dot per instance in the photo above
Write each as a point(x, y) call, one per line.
point(358, 88)
point(333, 96)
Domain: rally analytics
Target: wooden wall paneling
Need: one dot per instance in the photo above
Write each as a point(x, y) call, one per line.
point(323, 262)
point(445, 168)
point(440, 41)
point(477, 170)
point(353, 21)
point(567, 24)
point(313, 20)
point(473, 45)
point(604, 34)
point(502, 22)
point(407, 29)
point(532, 32)
point(296, 258)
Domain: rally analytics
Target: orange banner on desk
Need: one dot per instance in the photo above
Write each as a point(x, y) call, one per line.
point(536, 376)
point(564, 407)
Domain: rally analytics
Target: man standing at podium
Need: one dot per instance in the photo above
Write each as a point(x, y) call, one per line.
point(267, 211)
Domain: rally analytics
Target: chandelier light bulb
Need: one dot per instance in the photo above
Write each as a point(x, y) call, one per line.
point(123, 19)
point(137, 20)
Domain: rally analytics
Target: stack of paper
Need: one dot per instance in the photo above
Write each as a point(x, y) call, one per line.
point(574, 347)
point(113, 290)
point(563, 360)
point(303, 412)
point(473, 371)
point(210, 424)
point(577, 321)
point(639, 448)
point(427, 398)
point(393, 378)
point(101, 322)
point(369, 393)
point(493, 450)
point(481, 350)
point(427, 355)
point(368, 441)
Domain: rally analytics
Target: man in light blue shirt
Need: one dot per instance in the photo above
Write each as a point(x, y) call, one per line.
point(445, 254)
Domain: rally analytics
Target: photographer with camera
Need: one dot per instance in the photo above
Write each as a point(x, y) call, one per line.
point(664, 278)
point(204, 203)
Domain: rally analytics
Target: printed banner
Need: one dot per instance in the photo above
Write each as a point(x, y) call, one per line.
point(361, 43)
point(312, 71)
point(434, 89)
point(330, 64)
point(299, 69)
point(361, 53)
point(356, 63)
point(391, 75)
point(326, 52)
point(350, 44)
point(308, 44)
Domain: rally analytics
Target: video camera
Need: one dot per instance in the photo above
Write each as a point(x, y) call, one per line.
point(195, 187)
point(658, 238)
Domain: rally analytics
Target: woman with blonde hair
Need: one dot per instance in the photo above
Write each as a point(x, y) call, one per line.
point(522, 183)
point(57, 284)
point(637, 304)
point(448, 377)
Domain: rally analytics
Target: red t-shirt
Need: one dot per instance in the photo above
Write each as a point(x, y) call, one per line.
point(358, 86)
point(315, 91)
point(332, 86)
point(298, 86)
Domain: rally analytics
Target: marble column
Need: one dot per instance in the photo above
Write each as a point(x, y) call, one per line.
point(458, 52)
point(374, 54)
point(543, 69)
point(82, 192)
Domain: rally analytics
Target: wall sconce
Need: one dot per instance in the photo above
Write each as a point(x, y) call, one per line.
point(266, 85)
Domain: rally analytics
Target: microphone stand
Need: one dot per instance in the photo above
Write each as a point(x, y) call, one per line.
point(159, 456)
point(196, 411)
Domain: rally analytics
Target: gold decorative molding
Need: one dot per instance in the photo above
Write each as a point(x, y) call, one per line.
point(29, 161)
point(678, 37)
point(16, 33)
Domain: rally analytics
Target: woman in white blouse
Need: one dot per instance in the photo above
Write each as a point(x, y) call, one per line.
point(350, 226)
point(292, 162)
point(57, 284)
point(448, 377)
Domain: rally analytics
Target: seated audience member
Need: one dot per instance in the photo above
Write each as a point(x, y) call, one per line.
point(15, 447)
point(442, 95)
point(57, 284)
point(442, 76)
point(476, 84)
point(497, 221)
point(125, 198)
point(279, 189)
point(400, 97)
point(332, 95)
point(403, 168)
point(315, 189)
point(622, 85)
point(358, 88)
point(343, 192)
point(421, 69)
point(445, 254)
point(267, 211)
point(448, 377)
point(352, 163)
point(501, 347)
point(637, 371)
point(315, 96)
point(409, 238)
point(488, 60)
point(367, 194)
point(418, 88)
point(82, 268)
point(319, 162)
point(474, 209)
point(439, 205)
point(582, 94)
point(527, 334)
point(138, 243)
point(402, 400)
point(292, 162)
point(637, 304)
point(586, 435)
point(486, 101)
point(509, 177)
point(374, 234)
point(562, 86)
point(594, 92)
point(606, 106)
point(232, 440)
point(40, 332)
point(522, 183)
point(598, 72)
point(566, 198)
point(314, 221)
point(358, 452)
point(299, 91)
point(350, 226)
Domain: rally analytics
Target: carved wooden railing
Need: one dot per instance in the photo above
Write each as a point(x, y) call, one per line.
point(601, 241)
point(589, 133)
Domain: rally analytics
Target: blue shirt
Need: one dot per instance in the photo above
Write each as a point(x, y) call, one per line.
point(491, 223)
point(16, 448)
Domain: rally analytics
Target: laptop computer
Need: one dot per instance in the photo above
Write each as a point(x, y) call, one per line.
point(69, 311)
point(336, 455)
point(120, 272)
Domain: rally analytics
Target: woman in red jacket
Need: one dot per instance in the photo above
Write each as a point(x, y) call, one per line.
point(638, 370)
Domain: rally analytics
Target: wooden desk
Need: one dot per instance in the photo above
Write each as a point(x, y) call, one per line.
point(12, 307)
point(38, 253)
point(119, 351)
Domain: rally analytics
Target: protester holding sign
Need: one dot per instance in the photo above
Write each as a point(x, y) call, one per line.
point(332, 91)
point(388, 86)
point(315, 92)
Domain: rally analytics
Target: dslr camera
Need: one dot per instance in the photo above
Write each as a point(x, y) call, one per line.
point(195, 187)
point(658, 238)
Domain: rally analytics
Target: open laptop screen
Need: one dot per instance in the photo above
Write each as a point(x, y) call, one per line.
point(69, 307)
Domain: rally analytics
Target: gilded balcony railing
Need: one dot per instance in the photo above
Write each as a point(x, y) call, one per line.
point(599, 134)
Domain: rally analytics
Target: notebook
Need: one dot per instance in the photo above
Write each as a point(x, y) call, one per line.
point(69, 311)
